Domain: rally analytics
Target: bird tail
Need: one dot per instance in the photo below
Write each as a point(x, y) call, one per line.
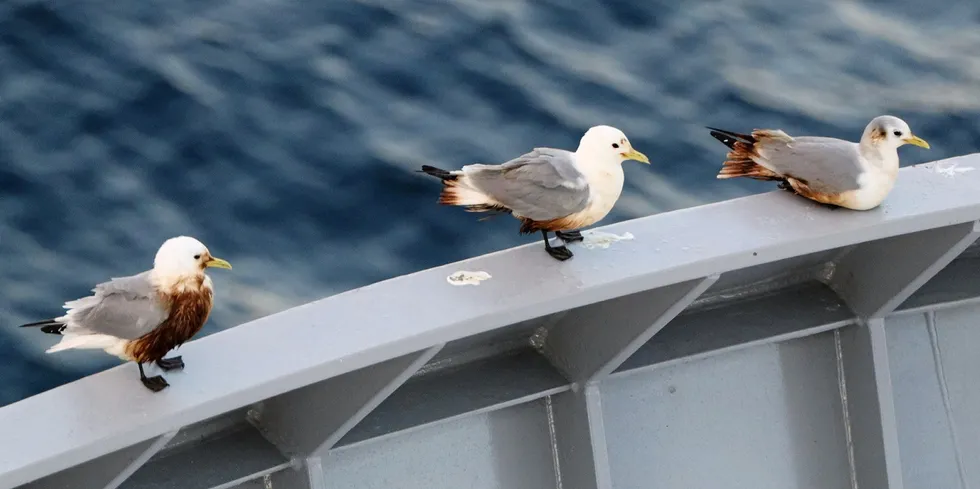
point(729, 138)
point(111, 344)
point(49, 326)
point(438, 173)
point(740, 160)
point(456, 190)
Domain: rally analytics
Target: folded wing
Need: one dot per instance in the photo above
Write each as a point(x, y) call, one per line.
point(826, 165)
point(126, 308)
point(541, 185)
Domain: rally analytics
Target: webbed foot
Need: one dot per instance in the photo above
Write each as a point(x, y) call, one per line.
point(168, 364)
point(570, 236)
point(155, 384)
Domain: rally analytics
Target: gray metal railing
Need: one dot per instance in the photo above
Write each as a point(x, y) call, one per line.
point(761, 342)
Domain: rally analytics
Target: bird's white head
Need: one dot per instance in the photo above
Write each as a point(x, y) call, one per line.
point(891, 132)
point(185, 256)
point(606, 143)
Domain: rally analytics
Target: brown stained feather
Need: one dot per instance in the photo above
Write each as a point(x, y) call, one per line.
point(878, 135)
point(567, 223)
point(740, 163)
point(189, 310)
point(804, 190)
point(448, 195)
point(449, 181)
point(740, 160)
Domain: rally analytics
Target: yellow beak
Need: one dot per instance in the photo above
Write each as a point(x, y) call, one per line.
point(917, 141)
point(217, 263)
point(633, 154)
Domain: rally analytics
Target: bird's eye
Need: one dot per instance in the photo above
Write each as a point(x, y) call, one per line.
point(615, 145)
point(897, 133)
point(197, 257)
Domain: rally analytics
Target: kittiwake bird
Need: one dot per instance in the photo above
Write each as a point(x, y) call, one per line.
point(548, 190)
point(831, 171)
point(142, 317)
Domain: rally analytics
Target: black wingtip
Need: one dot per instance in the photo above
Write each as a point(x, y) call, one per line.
point(53, 328)
point(49, 326)
point(724, 138)
point(39, 323)
point(437, 172)
point(729, 138)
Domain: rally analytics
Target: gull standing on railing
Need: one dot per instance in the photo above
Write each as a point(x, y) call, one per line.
point(142, 317)
point(549, 190)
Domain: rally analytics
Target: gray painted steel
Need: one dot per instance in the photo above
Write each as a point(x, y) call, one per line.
point(763, 342)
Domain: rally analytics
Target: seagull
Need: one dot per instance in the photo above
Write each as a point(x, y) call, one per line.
point(830, 171)
point(142, 317)
point(548, 190)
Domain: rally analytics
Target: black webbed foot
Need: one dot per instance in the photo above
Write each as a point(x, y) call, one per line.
point(559, 253)
point(168, 364)
point(155, 384)
point(570, 236)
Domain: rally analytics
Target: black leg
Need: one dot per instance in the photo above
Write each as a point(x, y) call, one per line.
point(570, 236)
point(155, 384)
point(169, 364)
point(784, 185)
point(559, 253)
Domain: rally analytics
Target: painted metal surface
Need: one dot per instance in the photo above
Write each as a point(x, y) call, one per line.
point(759, 342)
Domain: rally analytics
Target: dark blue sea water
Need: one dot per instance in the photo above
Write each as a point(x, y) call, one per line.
point(285, 134)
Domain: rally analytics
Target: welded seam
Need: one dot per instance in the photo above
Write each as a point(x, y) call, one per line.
point(842, 385)
point(552, 431)
point(937, 357)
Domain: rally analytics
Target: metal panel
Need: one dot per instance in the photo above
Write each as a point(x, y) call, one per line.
point(446, 395)
point(934, 364)
point(772, 275)
point(338, 404)
point(108, 471)
point(876, 277)
point(238, 454)
point(767, 417)
point(796, 311)
point(958, 283)
point(504, 449)
point(955, 336)
point(592, 341)
point(580, 439)
point(869, 405)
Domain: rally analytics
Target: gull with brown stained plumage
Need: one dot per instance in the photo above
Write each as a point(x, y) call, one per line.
point(142, 317)
point(548, 190)
point(830, 171)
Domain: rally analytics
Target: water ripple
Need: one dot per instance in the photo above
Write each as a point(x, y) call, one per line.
point(286, 134)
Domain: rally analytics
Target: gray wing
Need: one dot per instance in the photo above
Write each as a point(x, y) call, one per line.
point(826, 164)
point(126, 307)
point(541, 185)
